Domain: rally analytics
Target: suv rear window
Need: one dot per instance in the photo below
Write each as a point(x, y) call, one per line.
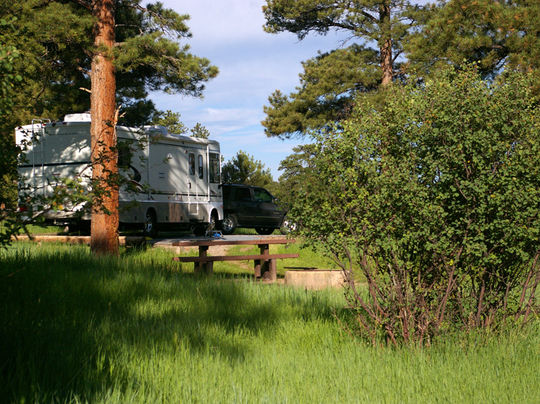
point(262, 195)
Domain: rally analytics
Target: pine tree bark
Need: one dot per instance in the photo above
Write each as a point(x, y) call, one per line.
point(104, 225)
point(386, 44)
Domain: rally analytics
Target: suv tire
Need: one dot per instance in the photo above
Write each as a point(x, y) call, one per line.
point(228, 224)
point(264, 230)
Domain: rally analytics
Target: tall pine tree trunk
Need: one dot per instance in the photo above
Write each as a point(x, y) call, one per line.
point(386, 44)
point(104, 227)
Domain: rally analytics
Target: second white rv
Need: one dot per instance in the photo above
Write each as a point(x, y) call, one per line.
point(173, 179)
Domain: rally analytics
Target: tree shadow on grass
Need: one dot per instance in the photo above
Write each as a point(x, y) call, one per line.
point(65, 317)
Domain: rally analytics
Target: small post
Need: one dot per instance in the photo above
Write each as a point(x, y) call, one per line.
point(257, 268)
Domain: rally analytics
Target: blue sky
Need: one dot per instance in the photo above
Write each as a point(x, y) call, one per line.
point(252, 65)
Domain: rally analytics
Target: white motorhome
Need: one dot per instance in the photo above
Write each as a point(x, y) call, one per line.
point(173, 179)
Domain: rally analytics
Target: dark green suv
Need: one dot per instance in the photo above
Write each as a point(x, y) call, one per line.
point(249, 206)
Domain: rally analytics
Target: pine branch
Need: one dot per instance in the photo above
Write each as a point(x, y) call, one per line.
point(167, 22)
point(84, 3)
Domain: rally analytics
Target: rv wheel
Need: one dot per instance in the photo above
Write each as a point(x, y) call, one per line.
point(150, 224)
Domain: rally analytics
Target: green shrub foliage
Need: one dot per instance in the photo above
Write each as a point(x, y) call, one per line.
point(434, 194)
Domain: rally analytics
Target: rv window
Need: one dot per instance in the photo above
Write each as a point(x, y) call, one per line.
point(214, 168)
point(201, 169)
point(191, 164)
point(124, 154)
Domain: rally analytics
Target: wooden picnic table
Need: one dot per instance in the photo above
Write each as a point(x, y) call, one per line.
point(264, 262)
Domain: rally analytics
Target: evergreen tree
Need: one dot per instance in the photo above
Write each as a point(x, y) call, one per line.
point(244, 169)
point(171, 120)
point(495, 34)
point(200, 131)
point(165, 58)
point(104, 154)
point(55, 39)
point(330, 80)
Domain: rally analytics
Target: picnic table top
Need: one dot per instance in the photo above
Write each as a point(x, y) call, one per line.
point(230, 240)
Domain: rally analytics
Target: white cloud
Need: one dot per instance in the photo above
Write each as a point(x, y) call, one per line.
point(218, 120)
point(221, 21)
point(231, 114)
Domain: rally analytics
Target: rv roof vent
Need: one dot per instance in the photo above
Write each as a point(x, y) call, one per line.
point(84, 117)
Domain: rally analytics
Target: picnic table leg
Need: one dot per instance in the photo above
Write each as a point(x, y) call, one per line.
point(271, 273)
point(267, 266)
point(204, 267)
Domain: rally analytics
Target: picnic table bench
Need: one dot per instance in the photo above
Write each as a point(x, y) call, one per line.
point(264, 262)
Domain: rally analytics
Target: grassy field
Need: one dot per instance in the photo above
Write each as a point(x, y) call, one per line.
point(142, 329)
point(35, 229)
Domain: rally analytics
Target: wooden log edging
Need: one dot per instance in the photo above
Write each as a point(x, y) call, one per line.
point(49, 238)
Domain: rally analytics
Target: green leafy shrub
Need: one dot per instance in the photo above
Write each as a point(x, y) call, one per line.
point(434, 193)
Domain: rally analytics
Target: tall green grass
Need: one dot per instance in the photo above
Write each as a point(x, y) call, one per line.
point(140, 328)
